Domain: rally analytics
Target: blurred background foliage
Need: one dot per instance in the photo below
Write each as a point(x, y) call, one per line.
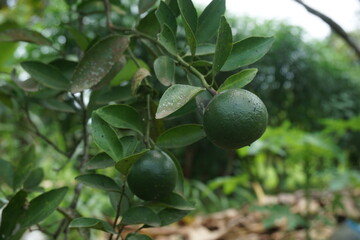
point(310, 87)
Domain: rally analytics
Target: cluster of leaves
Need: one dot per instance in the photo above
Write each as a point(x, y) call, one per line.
point(102, 85)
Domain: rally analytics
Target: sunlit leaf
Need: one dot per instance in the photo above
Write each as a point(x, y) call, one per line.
point(174, 98)
point(239, 79)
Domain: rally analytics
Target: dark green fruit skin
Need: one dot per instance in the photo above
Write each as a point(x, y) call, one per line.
point(235, 118)
point(153, 176)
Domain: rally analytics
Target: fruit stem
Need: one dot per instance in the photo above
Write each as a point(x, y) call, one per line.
point(198, 74)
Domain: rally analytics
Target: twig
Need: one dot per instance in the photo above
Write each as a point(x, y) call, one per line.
point(43, 137)
point(198, 74)
point(118, 210)
point(84, 159)
point(334, 26)
point(107, 13)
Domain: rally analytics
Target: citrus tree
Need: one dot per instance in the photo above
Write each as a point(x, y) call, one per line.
point(110, 81)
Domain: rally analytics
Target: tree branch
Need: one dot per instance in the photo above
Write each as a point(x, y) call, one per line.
point(334, 27)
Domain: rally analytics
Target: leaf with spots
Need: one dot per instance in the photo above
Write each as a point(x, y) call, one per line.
point(174, 98)
point(97, 62)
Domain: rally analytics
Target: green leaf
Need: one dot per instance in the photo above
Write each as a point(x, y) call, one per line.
point(23, 167)
point(181, 136)
point(144, 5)
point(99, 181)
point(174, 98)
point(114, 198)
point(171, 215)
point(66, 67)
point(128, 71)
point(130, 144)
point(99, 161)
point(223, 46)
point(42, 206)
point(247, 51)
point(121, 116)
point(105, 137)
point(141, 215)
point(46, 74)
point(81, 40)
point(24, 35)
point(176, 201)
point(34, 179)
point(149, 24)
point(137, 236)
point(6, 173)
point(164, 68)
point(167, 39)
point(239, 79)
point(209, 21)
point(125, 164)
point(57, 106)
point(189, 17)
point(165, 15)
point(179, 188)
point(203, 49)
point(97, 62)
point(188, 13)
point(12, 213)
point(93, 223)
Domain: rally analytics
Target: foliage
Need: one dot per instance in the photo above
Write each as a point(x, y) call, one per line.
point(99, 86)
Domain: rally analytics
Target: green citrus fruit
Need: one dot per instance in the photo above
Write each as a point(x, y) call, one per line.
point(153, 176)
point(235, 118)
